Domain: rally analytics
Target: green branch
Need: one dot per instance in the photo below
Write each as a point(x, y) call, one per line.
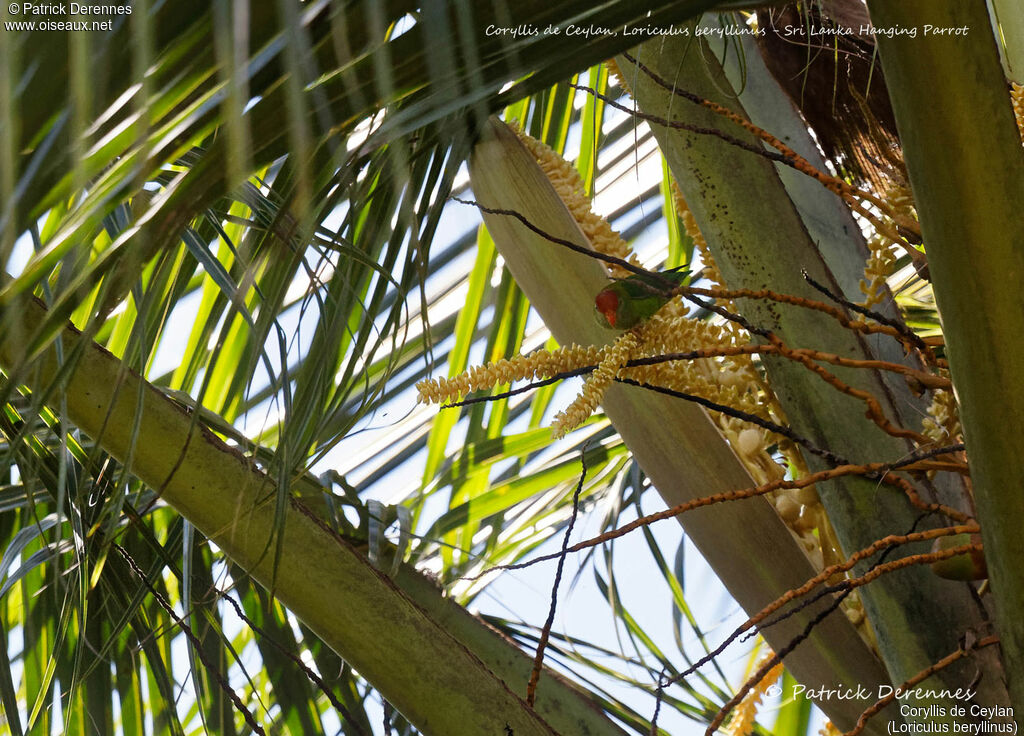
point(442, 669)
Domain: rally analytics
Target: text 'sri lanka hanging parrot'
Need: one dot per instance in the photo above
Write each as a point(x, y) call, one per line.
point(627, 302)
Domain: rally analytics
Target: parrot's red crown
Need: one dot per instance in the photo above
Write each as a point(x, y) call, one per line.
point(607, 303)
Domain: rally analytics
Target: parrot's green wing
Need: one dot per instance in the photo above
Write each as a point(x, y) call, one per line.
point(644, 285)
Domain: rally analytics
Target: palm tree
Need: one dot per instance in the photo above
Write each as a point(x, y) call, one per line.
point(224, 223)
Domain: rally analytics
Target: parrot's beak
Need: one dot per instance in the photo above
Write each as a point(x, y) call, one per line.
point(606, 307)
point(605, 319)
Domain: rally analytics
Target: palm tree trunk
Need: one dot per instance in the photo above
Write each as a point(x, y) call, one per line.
point(966, 165)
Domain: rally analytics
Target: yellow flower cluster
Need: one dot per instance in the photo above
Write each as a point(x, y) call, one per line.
point(877, 270)
point(569, 186)
point(943, 421)
point(618, 76)
point(615, 357)
point(1017, 95)
point(729, 380)
point(735, 382)
point(745, 713)
point(540, 364)
point(880, 262)
point(711, 271)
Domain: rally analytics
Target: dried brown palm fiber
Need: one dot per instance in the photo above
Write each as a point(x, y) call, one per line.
point(835, 78)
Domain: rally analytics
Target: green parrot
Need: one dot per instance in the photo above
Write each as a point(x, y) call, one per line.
point(627, 302)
